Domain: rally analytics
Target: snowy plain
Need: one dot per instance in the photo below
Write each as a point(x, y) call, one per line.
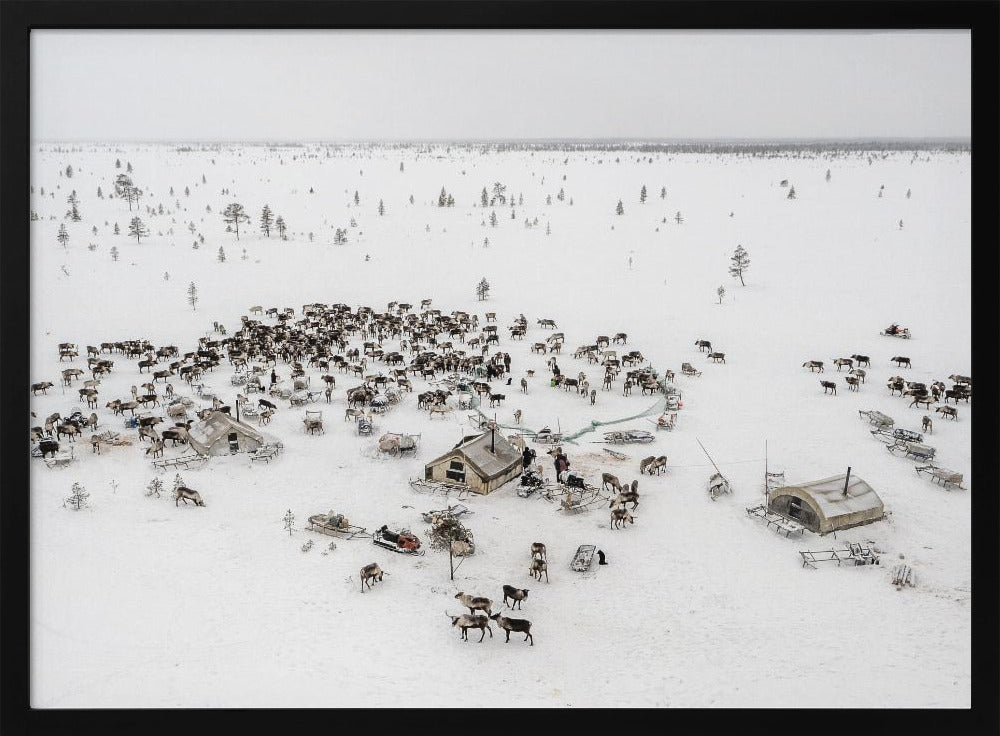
point(138, 603)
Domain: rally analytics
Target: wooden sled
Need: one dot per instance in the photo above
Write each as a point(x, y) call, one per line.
point(321, 523)
point(583, 557)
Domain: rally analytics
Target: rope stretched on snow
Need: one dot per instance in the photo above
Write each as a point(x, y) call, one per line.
point(656, 408)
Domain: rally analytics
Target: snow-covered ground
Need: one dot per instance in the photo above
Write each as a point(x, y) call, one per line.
point(136, 603)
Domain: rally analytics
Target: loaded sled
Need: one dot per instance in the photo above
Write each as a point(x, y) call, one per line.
point(895, 330)
point(403, 541)
point(335, 525)
point(583, 557)
point(945, 478)
point(628, 437)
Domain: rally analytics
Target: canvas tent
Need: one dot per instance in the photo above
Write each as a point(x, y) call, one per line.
point(484, 462)
point(220, 434)
point(821, 506)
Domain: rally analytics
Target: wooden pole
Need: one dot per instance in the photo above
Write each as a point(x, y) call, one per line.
point(766, 488)
point(708, 456)
point(451, 562)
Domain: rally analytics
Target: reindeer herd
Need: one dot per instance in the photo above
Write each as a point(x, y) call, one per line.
point(919, 393)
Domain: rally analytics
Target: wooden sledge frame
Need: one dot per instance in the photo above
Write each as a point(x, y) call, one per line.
point(316, 524)
point(947, 479)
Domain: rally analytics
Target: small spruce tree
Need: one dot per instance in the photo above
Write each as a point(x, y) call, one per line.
point(192, 295)
point(222, 255)
point(289, 520)
point(63, 235)
point(740, 263)
point(642, 195)
point(620, 209)
point(721, 291)
point(137, 229)
point(266, 220)
point(77, 498)
point(114, 252)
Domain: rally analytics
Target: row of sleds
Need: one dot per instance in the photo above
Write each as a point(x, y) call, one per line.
point(338, 525)
point(909, 443)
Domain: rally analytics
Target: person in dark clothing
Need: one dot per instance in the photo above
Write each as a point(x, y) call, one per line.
point(600, 558)
point(274, 377)
point(506, 363)
point(527, 457)
point(555, 370)
point(562, 463)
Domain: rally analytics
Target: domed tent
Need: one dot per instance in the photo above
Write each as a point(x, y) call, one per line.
point(828, 505)
point(220, 434)
point(483, 462)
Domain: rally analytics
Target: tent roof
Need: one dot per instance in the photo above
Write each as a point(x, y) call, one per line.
point(828, 494)
point(476, 450)
point(219, 424)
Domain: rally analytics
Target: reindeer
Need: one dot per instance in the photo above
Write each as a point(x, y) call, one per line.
point(718, 357)
point(475, 603)
point(862, 359)
point(517, 416)
point(42, 386)
point(840, 362)
point(623, 498)
point(68, 429)
point(926, 425)
point(813, 365)
point(852, 382)
point(369, 573)
point(621, 337)
point(515, 594)
point(610, 481)
point(183, 494)
point(859, 372)
point(539, 566)
point(829, 386)
point(548, 323)
point(155, 449)
point(901, 362)
point(948, 411)
point(538, 550)
point(894, 384)
point(520, 625)
point(175, 434)
point(70, 374)
point(703, 345)
point(925, 400)
point(620, 516)
point(593, 396)
point(653, 464)
point(149, 432)
point(466, 622)
point(496, 399)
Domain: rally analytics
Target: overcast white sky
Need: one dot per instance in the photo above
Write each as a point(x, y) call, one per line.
point(402, 85)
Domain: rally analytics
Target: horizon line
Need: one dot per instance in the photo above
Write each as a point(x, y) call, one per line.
point(967, 140)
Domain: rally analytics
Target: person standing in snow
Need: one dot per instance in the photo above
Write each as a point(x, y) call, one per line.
point(562, 464)
point(274, 377)
point(506, 362)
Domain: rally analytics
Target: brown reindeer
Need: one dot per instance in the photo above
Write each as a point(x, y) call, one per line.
point(610, 481)
point(948, 411)
point(926, 425)
point(620, 516)
point(829, 386)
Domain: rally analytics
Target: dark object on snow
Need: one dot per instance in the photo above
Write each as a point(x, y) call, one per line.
point(600, 558)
